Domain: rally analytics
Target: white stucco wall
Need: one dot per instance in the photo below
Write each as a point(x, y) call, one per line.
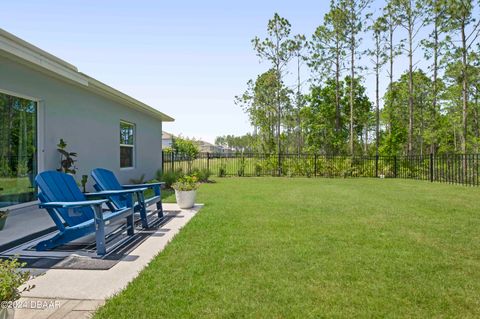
point(87, 121)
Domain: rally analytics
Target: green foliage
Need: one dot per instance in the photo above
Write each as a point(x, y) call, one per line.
point(67, 159)
point(185, 147)
point(258, 169)
point(396, 116)
point(244, 143)
point(202, 174)
point(18, 136)
point(320, 116)
point(222, 170)
point(169, 177)
point(4, 213)
point(167, 150)
point(84, 182)
point(241, 167)
point(437, 112)
point(139, 180)
point(261, 103)
point(11, 278)
point(186, 183)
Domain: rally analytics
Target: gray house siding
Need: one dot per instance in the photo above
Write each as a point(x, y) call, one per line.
point(87, 121)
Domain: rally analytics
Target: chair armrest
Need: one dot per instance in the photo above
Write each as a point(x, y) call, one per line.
point(149, 185)
point(72, 204)
point(115, 192)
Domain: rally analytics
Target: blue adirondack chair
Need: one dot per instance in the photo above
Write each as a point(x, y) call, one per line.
point(106, 181)
point(73, 214)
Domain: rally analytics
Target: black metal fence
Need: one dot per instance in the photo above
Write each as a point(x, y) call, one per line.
point(454, 168)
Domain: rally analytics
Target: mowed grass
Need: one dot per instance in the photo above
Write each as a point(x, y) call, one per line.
point(15, 185)
point(311, 248)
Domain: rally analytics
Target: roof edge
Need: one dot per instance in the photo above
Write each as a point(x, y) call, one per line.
point(25, 51)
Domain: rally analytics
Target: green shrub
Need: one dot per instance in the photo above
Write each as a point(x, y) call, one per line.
point(11, 278)
point(241, 169)
point(222, 170)
point(140, 180)
point(202, 174)
point(258, 169)
point(169, 177)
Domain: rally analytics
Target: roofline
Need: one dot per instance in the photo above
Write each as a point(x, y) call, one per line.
point(31, 54)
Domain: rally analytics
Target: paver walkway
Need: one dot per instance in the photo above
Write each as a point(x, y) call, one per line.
point(66, 293)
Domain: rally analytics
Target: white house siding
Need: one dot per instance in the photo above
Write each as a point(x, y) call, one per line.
point(87, 121)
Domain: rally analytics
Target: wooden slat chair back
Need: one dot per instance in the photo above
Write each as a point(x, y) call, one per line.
point(59, 187)
point(106, 180)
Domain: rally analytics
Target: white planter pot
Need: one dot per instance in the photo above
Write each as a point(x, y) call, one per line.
point(185, 199)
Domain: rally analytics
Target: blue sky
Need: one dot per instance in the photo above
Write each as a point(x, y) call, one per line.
point(186, 58)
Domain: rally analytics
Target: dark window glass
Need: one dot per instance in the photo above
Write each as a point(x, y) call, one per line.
point(127, 144)
point(126, 133)
point(126, 156)
point(18, 149)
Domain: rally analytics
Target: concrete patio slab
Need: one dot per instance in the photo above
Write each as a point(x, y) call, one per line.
point(23, 222)
point(91, 287)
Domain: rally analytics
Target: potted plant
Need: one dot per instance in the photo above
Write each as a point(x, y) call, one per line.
point(3, 218)
point(67, 161)
point(84, 182)
point(186, 191)
point(11, 278)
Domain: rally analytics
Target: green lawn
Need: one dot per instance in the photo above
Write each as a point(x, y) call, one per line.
point(310, 248)
point(16, 185)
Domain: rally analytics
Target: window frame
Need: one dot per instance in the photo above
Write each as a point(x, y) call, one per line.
point(132, 146)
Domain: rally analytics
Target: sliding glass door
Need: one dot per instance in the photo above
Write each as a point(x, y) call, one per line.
point(18, 149)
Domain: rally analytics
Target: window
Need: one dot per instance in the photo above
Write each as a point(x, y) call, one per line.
point(127, 144)
point(18, 149)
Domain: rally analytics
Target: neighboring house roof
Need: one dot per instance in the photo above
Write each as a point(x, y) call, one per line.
point(166, 136)
point(207, 147)
point(14, 47)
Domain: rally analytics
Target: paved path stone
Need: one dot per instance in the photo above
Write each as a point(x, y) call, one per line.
point(39, 308)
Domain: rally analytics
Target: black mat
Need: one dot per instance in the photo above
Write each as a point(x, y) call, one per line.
point(82, 254)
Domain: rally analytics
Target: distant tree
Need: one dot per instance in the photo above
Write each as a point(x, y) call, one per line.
point(396, 141)
point(433, 48)
point(464, 29)
point(259, 102)
point(394, 48)
point(299, 45)
point(355, 23)
point(378, 58)
point(328, 51)
point(277, 49)
point(411, 18)
point(186, 148)
point(319, 116)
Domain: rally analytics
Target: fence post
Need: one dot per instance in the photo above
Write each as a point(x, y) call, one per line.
point(163, 162)
point(395, 166)
point(376, 165)
point(208, 161)
point(172, 157)
point(431, 167)
point(315, 165)
point(279, 164)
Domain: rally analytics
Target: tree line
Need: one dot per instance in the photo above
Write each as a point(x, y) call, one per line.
point(431, 108)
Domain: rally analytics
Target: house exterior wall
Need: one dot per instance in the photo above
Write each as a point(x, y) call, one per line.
point(87, 121)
